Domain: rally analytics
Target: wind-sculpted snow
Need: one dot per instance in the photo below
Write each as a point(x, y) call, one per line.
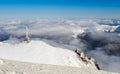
point(95, 36)
point(17, 67)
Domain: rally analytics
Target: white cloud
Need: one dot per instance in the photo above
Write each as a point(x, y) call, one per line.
point(63, 33)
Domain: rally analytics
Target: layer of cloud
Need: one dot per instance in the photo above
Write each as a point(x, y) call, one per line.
point(96, 37)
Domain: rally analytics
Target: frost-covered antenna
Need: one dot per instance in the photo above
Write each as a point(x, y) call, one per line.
point(27, 39)
point(27, 32)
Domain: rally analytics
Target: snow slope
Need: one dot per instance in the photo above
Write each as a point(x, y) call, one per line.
point(15, 67)
point(43, 55)
point(40, 52)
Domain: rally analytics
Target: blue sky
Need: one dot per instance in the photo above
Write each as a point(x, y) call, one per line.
point(59, 8)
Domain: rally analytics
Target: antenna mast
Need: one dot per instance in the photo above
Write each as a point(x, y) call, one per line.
point(27, 39)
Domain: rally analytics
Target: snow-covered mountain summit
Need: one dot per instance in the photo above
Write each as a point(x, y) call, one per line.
point(42, 53)
point(39, 52)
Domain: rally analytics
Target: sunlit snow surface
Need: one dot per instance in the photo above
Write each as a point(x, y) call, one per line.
point(39, 52)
